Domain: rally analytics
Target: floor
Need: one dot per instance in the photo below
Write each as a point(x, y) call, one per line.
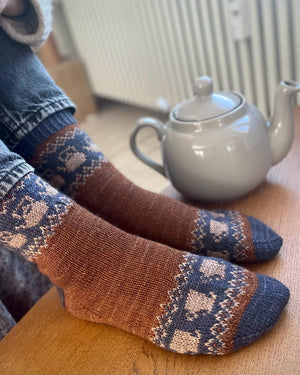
point(111, 127)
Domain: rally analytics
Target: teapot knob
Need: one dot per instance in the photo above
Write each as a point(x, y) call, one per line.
point(203, 86)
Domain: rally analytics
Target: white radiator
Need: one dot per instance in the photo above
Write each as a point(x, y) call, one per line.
point(148, 52)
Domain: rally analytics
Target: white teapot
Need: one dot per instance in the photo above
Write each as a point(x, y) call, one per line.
point(217, 146)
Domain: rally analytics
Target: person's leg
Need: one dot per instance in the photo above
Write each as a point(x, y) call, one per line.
point(14, 271)
point(22, 107)
point(70, 161)
point(28, 95)
point(179, 301)
point(34, 121)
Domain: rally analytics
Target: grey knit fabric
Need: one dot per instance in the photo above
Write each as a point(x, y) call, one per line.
point(34, 28)
point(7, 322)
point(21, 285)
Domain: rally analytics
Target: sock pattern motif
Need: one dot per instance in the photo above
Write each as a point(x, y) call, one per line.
point(200, 317)
point(74, 158)
point(29, 213)
point(223, 234)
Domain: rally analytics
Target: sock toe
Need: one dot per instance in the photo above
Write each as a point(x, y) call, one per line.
point(262, 312)
point(266, 242)
point(234, 236)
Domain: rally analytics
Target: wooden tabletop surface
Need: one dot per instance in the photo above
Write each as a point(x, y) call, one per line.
point(48, 340)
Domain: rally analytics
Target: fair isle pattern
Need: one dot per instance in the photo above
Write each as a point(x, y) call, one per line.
point(223, 234)
point(244, 247)
point(242, 282)
point(205, 307)
point(29, 214)
point(68, 160)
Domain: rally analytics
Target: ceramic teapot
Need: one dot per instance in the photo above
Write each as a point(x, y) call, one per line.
point(217, 146)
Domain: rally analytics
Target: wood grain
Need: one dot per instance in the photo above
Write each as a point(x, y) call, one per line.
point(48, 340)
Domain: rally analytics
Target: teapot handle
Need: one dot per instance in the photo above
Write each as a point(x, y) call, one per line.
point(159, 128)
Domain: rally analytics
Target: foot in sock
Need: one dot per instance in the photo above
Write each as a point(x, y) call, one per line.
point(179, 301)
point(70, 161)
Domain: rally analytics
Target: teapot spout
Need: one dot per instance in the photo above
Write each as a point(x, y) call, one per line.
point(281, 127)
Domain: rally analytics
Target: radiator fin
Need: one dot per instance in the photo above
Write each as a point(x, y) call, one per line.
point(147, 51)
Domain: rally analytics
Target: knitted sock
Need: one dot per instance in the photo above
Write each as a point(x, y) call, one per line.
point(180, 301)
point(70, 161)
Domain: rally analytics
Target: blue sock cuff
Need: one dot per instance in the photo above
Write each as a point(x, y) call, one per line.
point(49, 126)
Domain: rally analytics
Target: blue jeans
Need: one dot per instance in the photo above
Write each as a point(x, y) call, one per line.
point(28, 97)
point(30, 102)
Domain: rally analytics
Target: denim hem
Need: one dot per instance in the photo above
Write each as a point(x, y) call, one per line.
point(49, 126)
point(11, 177)
point(59, 104)
point(17, 128)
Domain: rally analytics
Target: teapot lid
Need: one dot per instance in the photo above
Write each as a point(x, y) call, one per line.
point(205, 104)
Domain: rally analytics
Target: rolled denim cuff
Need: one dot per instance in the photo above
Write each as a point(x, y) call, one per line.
point(13, 130)
point(14, 170)
point(49, 126)
point(28, 95)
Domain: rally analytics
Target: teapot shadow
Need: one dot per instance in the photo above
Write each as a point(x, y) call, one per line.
point(256, 198)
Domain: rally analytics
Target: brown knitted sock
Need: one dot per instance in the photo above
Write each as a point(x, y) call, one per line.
point(70, 161)
point(182, 302)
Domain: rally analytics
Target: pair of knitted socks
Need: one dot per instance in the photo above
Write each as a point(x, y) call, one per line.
point(171, 292)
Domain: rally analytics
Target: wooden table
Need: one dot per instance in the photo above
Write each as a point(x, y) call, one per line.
point(48, 340)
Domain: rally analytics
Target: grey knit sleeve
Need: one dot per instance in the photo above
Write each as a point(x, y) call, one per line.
point(33, 27)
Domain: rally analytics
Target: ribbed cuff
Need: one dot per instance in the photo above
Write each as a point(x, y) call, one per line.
point(49, 126)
